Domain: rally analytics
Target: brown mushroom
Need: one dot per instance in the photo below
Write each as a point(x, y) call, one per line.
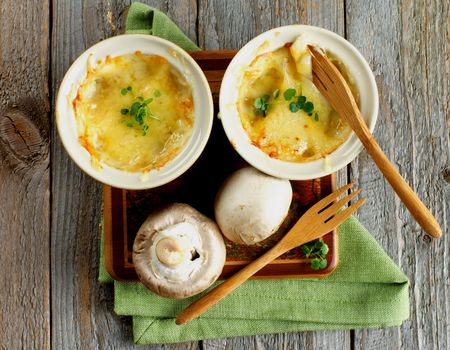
point(178, 252)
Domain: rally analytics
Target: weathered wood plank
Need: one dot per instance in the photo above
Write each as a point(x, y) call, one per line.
point(83, 316)
point(406, 43)
point(24, 176)
point(408, 102)
point(230, 25)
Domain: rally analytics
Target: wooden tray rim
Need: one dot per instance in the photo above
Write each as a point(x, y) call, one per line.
point(108, 248)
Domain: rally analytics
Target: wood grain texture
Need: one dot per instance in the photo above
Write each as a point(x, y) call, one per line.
point(82, 308)
point(413, 131)
point(24, 176)
point(405, 42)
point(230, 25)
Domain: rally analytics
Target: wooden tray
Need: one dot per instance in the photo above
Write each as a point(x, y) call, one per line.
point(124, 210)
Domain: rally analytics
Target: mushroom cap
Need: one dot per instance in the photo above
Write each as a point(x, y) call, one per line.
point(178, 252)
point(250, 206)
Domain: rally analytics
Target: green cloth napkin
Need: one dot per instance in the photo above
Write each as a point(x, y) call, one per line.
point(366, 290)
point(143, 19)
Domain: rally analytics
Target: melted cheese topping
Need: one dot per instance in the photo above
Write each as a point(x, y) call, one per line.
point(120, 141)
point(282, 134)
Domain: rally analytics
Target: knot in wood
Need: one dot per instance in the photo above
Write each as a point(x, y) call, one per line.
point(446, 174)
point(21, 137)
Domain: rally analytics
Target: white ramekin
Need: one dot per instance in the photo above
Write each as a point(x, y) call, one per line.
point(272, 40)
point(120, 45)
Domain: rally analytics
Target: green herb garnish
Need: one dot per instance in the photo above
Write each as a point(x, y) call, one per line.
point(308, 108)
point(134, 108)
point(126, 90)
point(139, 111)
point(289, 94)
point(300, 102)
point(316, 251)
point(261, 105)
point(293, 107)
point(297, 102)
point(157, 93)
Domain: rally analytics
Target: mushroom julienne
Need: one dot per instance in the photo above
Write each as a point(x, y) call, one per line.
point(178, 252)
point(251, 206)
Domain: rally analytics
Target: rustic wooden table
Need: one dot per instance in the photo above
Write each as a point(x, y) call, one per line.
point(50, 211)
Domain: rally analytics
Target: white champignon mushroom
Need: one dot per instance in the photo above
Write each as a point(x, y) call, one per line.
point(251, 206)
point(178, 252)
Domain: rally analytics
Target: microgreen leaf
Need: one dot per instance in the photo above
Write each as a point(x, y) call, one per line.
point(301, 99)
point(323, 264)
point(324, 250)
point(261, 105)
point(315, 264)
point(289, 94)
point(124, 91)
point(141, 114)
point(293, 107)
point(306, 250)
point(139, 110)
point(301, 104)
point(276, 93)
point(147, 101)
point(134, 108)
point(316, 251)
point(309, 107)
point(257, 103)
point(129, 88)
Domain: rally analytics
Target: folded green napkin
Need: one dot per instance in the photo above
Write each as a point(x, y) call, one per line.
point(366, 290)
point(143, 19)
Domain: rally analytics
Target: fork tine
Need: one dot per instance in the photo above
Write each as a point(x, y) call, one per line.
point(330, 198)
point(320, 60)
point(320, 70)
point(315, 52)
point(343, 215)
point(318, 83)
point(333, 209)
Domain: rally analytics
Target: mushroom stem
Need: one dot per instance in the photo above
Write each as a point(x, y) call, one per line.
point(170, 252)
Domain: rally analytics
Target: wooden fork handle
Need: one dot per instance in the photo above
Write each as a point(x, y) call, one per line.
point(415, 206)
point(204, 303)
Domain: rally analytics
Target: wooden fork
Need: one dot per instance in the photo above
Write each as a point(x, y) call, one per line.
point(332, 85)
point(321, 218)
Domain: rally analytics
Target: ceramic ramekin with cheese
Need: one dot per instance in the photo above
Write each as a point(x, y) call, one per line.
point(270, 41)
point(128, 44)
